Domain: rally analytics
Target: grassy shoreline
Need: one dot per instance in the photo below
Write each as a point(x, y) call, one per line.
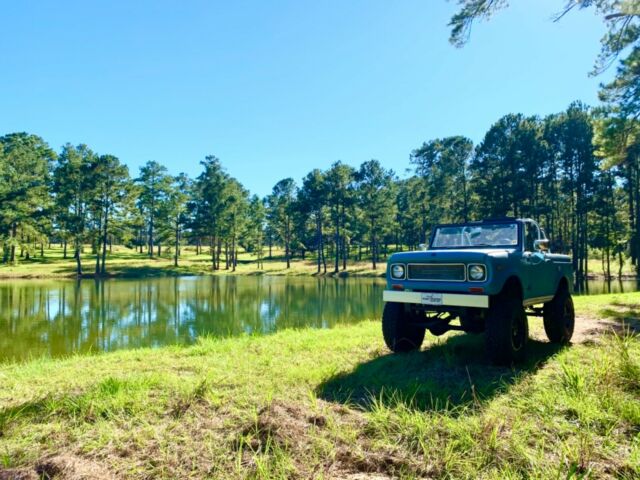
point(333, 404)
point(127, 263)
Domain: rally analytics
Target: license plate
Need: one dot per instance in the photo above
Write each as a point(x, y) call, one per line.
point(432, 299)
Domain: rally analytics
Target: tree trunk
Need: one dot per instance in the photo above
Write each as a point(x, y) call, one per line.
point(324, 258)
point(337, 242)
point(620, 264)
point(151, 237)
point(218, 251)
point(373, 244)
point(632, 210)
point(287, 240)
point(12, 254)
point(177, 245)
point(345, 252)
point(78, 259)
point(96, 244)
point(105, 233)
point(637, 216)
point(213, 253)
point(234, 261)
point(319, 241)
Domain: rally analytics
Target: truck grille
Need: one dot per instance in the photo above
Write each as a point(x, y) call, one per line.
point(435, 271)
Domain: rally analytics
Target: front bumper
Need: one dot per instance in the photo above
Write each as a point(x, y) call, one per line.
point(434, 299)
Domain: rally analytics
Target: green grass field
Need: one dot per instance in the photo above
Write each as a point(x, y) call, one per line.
point(334, 404)
point(125, 262)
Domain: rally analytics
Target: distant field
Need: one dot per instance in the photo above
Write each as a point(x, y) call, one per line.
point(334, 404)
point(125, 262)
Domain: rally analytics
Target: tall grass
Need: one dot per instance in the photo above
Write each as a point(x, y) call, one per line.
point(333, 403)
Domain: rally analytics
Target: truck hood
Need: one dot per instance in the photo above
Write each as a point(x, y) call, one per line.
point(437, 256)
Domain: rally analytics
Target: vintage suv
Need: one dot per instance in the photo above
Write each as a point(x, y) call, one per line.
point(491, 275)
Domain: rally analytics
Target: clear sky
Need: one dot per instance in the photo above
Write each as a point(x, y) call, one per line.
point(276, 88)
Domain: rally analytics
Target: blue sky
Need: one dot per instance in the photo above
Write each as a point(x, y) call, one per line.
point(277, 88)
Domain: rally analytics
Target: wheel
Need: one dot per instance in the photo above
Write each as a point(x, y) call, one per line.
point(559, 317)
point(507, 330)
point(398, 334)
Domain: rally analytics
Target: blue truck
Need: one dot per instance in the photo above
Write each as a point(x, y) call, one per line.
point(490, 276)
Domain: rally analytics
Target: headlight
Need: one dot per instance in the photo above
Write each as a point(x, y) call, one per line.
point(477, 273)
point(397, 271)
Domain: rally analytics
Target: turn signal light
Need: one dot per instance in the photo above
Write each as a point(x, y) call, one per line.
point(397, 287)
point(476, 290)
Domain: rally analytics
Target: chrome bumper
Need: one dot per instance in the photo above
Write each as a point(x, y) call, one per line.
point(435, 299)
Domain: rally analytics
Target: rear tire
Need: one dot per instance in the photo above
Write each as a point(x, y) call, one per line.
point(398, 334)
point(559, 317)
point(507, 330)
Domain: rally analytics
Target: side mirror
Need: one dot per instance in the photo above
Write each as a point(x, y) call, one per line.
point(541, 244)
point(423, 246)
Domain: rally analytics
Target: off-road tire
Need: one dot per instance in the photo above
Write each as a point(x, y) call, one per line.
point(398, 334)
point(559, 317)
point(506, 331)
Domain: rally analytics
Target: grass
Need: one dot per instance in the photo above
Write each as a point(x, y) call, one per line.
point(597, 267)
point(334, 404)
point(126, 262)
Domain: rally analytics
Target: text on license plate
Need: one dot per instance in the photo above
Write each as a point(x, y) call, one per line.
point(432, 299)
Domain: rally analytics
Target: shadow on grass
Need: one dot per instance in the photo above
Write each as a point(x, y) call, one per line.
point(147, 271)
point(134, 271)
point(40, 261)
point(448, 374)
point(627, 317)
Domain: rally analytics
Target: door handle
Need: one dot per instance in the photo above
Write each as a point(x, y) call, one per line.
point(536, 260)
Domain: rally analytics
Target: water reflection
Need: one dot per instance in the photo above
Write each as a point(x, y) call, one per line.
point(596, 287)
point(61, 317)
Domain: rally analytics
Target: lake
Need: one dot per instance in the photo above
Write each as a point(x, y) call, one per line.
point(61, 317)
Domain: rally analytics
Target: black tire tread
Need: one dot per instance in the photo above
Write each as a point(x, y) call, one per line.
point(398, 335)
point(498, 330)
point(553, 318)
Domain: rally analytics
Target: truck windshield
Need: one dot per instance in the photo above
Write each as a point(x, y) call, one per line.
point(485, 235)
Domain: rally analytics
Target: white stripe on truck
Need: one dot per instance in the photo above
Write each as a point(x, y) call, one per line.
point(448, 299)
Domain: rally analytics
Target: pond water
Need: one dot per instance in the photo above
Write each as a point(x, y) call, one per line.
point(61, 317)
point(596, 287)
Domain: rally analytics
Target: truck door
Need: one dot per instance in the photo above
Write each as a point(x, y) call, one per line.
point(538, 267)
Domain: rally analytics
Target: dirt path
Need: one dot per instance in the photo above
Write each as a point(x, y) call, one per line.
point(590, 328)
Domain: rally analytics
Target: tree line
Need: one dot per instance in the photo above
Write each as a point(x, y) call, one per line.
point(577, 172)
